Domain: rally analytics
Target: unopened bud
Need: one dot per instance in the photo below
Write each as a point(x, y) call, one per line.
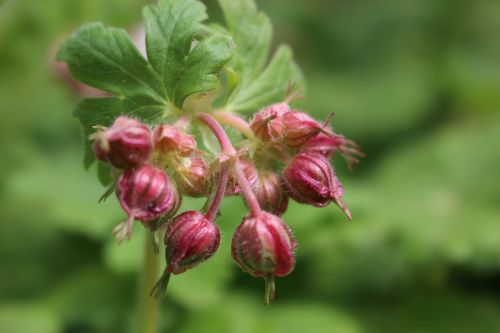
point(145, 194)
point(310, 179)
point(169, 139)
point(264, 246)
point(298, 127)
point(323, 144)
point(326, 145)
point(267, 124)
point(190, 239)
point(270, 194)
point(126, 144)
point(192, 176)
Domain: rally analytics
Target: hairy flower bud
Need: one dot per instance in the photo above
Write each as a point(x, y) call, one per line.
point(326, 145)
point(323, 144)
point(251, 175)
point(270, 194)
point(298, 127)
point(169, 138)
point(264, 246)
point(190, 239)
point(145, 194)
point(126, 144)
point(267, 123)
point(192, 176)
point(309, 179)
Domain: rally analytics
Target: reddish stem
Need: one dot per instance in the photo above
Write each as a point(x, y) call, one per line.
point(219, 194)
point(228, 149)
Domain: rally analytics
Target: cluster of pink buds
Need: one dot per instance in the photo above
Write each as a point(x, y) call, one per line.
point(286, 155)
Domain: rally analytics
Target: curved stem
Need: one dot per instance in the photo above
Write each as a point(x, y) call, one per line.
point(219, 194)
point(148, 307)
point(220, 134)
point(230, 119)
point(228, 149)
point(246, 189)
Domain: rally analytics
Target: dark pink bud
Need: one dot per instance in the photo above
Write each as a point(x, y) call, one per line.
point(323, 144)
point(270, 194)
point(170, 139)
point(126, 144)
point(298, 127)
point(145, 194)
point(192, 176)
point(190, 239)
point(264, 246)
point(266, 124)
point(251, 175)
point(309, 178)
point(326, 145)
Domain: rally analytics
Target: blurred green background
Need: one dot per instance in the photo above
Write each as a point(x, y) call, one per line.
point(415, 82)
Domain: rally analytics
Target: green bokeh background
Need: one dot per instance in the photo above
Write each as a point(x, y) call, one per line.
point(415, 82)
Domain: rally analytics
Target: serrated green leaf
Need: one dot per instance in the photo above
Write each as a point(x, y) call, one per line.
point(270, 86)
point(106, 58)
point(187, 66)
point(103, 111)
point(252, 33)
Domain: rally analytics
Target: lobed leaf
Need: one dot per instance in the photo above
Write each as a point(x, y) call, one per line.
point(106, 58)
point(186, 65)
point(252, 32)
point(270, 86)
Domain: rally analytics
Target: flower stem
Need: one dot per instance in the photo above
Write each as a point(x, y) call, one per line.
point(270, 290)
point(228, 149)
point(230, 119)
point(147, 306)
point(219, 194)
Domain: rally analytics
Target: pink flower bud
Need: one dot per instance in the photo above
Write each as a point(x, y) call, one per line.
point(264, 246)
point(192, 176)
point(323, 144)
point(170, 138)
point(326, 145)
point(190, 239)
point(126, 144)
point(266, 124)
point(298, 127)
point(270, 194)
point(145, 194)
point(309, 179)
point(251, 175)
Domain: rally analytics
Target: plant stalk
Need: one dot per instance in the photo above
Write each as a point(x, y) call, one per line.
point(227, 148)
point(148, 307)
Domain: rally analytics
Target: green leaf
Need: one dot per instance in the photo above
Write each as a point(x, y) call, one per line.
point(103, 111)
point(187, 66)
point(106, 58)
point(270, 86)
point(252, 34)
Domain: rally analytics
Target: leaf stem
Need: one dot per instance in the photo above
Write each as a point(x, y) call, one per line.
point(228, 149)
point(148, 309)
